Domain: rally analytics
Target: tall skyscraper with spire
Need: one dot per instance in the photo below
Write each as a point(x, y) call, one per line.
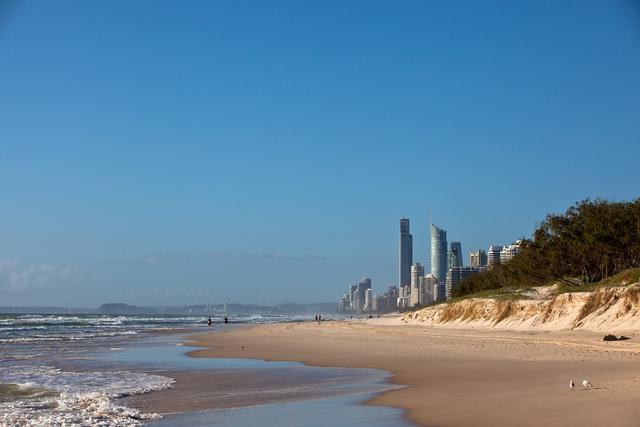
point(406, 254)
point(439, 253)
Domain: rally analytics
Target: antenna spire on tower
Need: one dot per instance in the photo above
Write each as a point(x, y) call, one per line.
point(430, 215)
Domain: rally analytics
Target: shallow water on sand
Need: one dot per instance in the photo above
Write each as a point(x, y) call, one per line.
point(168, 352)
point(265, 393)
point(343, 411)
point(95, 380)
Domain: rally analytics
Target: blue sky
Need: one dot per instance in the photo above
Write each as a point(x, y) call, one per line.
point(157, 152)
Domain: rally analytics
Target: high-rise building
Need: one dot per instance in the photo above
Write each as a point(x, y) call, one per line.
point(438, 253)
point(344, 305)
point(478, 258)
point(406, 254)
point(417, 271)
point(361, 292)
point(426, 289)
point(439, 294)
point(509, 251)
point(360, 298)
point(377, 304)
point(403, 297)
point(454, 257)
point(368, 300)
point(353, 294)
point(455, 276)
point(493, 256)
point(391, 298)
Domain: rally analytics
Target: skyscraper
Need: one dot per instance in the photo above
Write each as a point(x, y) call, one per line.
point(454, 258)
point(439, 253)
point(406, 254)
point(426, 289)
point(368, 300)
point(353, 295)
point(361, 292)
point(478, 258)
point(508, 252)
point(417, 271)
point(494, 254)
point(455, 276)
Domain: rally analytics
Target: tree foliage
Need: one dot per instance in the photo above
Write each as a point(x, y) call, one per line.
point(592, 240)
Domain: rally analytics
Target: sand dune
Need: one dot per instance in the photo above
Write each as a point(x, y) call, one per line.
point(604, 310)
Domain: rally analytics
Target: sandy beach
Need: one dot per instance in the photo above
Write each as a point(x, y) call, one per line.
point(461, 377)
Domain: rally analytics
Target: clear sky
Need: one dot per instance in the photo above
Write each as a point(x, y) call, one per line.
point(156, 152)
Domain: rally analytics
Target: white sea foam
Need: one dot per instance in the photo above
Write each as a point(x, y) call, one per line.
point(79, 398)
point(86, 409)
point(85, 398)
point(90, 319)
point(58, 337)
point(10, 357)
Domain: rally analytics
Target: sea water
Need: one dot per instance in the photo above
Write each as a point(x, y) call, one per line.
point(343, 411)
point(74, 369)
point(39, 386)
point(314, 396)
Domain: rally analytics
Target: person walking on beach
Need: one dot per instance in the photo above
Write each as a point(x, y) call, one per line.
point(209, 321)
point(226, 320)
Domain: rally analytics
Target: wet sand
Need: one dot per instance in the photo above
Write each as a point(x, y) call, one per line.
point(215, 389)
point(462, 377)
point(214, 384)
point(341, 411)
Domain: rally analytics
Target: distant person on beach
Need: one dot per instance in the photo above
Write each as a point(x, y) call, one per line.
point(226, 320)
point(209, 321)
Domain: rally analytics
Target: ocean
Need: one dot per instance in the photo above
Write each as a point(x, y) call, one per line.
point(60, 370)
point(44, 377)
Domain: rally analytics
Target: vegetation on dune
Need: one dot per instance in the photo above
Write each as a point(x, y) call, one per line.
point(499, 294)
point(594, 240)
point(625, 277)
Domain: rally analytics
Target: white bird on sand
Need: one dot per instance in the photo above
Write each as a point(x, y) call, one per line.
point(587, 384)
point(572, 385)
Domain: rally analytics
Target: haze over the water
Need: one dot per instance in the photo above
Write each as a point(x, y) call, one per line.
point(261, 152)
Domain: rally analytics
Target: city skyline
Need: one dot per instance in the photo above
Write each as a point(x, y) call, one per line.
point(260, 153)
point(422, 289)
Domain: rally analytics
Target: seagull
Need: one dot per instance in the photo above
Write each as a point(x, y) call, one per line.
point(572, 385)
point(586, 384)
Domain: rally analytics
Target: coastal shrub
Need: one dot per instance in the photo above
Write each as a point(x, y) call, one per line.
point(593, 240)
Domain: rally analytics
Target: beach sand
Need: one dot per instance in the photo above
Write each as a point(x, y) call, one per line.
point(458, 377)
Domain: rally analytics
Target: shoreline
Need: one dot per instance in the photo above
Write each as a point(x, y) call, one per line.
point(205, 385)
point(453, 376)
